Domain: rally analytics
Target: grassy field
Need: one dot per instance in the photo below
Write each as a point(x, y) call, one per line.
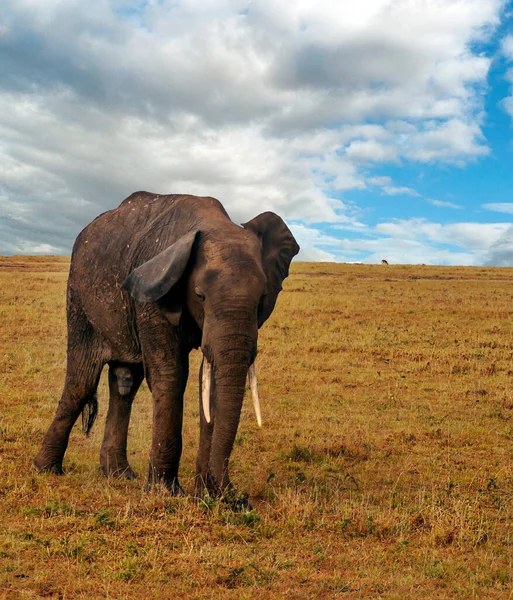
point(383, 468)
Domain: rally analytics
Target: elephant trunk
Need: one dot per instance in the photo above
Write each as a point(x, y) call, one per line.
point(230, 383)
point(227, 359)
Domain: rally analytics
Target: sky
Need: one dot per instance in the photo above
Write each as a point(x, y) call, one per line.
point(378, 129)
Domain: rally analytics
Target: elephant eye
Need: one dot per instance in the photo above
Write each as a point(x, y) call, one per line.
point(199, 293)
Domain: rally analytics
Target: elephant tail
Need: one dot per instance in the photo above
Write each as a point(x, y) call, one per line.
point(89, 413)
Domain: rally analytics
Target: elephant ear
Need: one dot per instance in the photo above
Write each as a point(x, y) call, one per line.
point(155, 278)
point(278, 249)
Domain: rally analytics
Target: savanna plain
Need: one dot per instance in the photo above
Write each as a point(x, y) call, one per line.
point(383, 468)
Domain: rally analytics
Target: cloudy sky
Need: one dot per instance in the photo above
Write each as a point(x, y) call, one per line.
point(377, 128)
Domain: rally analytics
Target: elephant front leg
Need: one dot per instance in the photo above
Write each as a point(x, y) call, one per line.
point(166, 445)
point(166, 367)
point(124, 381)
point(167, 382)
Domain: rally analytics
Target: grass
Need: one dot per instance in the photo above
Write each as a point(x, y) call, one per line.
point(383, 468)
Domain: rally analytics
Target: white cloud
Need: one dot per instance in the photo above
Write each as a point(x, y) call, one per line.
point(403, 251)
point(452, 141)
point(443, 204)
point(502, 207)
point(381, 181)
point(365, 151)
point(411, 241)
point(507, 103)
point(312, 254)
point(386, 184)
point(418, 241)
point(392, 190)
point(264, 105)
point(475, 236)
point(500, 253)
point(507, 47)
point(507, 51)
point(310, 239)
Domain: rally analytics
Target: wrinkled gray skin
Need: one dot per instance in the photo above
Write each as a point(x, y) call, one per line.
point(150, 281)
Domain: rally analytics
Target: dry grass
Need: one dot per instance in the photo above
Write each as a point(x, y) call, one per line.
point(383, 469)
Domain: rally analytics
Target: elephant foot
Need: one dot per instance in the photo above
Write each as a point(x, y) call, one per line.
point(173, 487)
point(49, 467)
point(119, 472)
point(206, 487)
point(236, 500)
point(114, 464)
point(171, 484)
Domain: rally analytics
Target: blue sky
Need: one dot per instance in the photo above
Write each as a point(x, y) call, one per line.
point(377, 129)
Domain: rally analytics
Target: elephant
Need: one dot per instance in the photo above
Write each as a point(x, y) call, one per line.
point(149, 281)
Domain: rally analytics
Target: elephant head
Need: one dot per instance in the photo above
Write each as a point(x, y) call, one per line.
point(226, 280)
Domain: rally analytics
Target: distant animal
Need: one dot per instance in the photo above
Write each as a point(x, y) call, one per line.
point(384, 262)
point(149, 281)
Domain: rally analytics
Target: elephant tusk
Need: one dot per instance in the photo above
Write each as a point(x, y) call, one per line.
point(205, 388)
point(254, 392)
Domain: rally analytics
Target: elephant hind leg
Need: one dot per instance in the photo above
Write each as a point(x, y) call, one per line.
point(124, 381)
point(84, 367)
